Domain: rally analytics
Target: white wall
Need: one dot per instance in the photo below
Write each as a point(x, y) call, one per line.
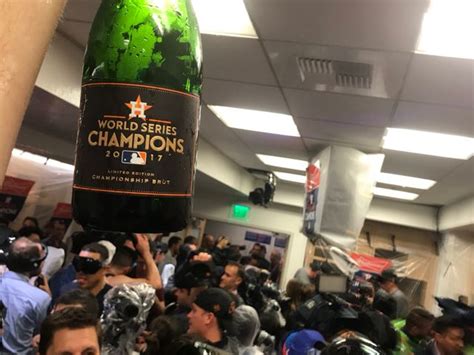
point(277, 219)
point(236, 235)
point(457, 214)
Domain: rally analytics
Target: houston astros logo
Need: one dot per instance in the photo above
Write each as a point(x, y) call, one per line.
point(137, 108)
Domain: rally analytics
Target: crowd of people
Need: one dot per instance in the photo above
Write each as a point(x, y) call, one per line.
point(119, 293)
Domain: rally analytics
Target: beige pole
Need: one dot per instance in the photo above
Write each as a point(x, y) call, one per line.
point(26, 28)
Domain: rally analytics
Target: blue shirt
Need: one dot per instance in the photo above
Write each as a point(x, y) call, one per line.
point(26, 307)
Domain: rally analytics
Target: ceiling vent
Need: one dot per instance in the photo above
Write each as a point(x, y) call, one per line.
point(335, 72)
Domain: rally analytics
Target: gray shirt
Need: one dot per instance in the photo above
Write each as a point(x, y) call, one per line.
point(301, 275)
point(402, 303)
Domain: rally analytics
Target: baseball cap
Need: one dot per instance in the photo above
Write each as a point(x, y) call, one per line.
point(302, 342)
point(193, 274)
point(315, 265)
point(219, 302)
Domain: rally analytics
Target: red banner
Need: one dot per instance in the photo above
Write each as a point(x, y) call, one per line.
point(13, 195)
point(16, 186)
point(371, 264)
point(63, 210)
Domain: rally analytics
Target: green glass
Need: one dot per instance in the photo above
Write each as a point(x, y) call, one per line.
point(154, 42)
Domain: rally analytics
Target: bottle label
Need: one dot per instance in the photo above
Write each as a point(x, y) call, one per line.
point(136, 139)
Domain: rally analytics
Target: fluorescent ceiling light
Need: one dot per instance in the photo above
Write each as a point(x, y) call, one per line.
point(405, 181)
point(447, 29)
point(429, 143)
point(258, 121)
point(291, 177)
point(57, 164)
point(224, 17)
point(16, 152)
point(402, 195)
point(293, 164)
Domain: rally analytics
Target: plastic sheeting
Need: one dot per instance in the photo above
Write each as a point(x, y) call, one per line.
point(53, 184)
point(338, 194)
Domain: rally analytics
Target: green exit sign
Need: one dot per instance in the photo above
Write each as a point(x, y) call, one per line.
point(240, 211)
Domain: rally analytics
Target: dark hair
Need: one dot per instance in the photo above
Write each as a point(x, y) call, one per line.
point(81, 239)
point(4, 220)
point(97, 248)
point(174, 240)
point(80, 297)
point(124, 257)
point(443, 323)
point(21, 255)
point(418, 316)
point(32, 219)
point(164, 330)
point(28, 231)
point(68, 318)
point(190, 239)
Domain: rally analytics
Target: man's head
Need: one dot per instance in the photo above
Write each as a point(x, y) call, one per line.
point(173, 245)
point(58, 230)
point(26, 257)
point(32, 233)
point(89, 265)
point(161, 250)
point(258, 250)
point(448, 333)
point(314, 269)
point(72, 331)
point(211, 313)
point(419, 323)
point(123, 261)
point(190, 239)
point(232, 277)
point(190, 281)
point(30, 222)
point(275, 257)
point(208, 242)
point(78, 298)
point(388, 281)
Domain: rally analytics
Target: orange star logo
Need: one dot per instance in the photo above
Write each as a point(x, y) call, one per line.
point(137, 108)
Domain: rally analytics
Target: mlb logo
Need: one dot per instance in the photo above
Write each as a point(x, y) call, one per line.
point(134, 157)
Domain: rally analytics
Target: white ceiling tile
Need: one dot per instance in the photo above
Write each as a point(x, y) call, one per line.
point(340, 132)
point(387, 68)
point(456, 185)
point(434, 118)
point(440, 80)
point(239, 59)
point(233, 94)
point(81, 10)
point(389, 24)
point(339, 108)
point(417, 165)
point(76, 31)
point(273, 144)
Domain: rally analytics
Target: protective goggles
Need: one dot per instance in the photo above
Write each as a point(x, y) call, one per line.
point(87, 266)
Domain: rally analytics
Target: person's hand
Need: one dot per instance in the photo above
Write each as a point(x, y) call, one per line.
point(204, 257)
point(44, 285)
point(222, 243)
point(140, 343)
point(35, 341)
point(143, 245)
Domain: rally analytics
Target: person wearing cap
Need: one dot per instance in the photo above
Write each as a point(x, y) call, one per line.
point(388, 285)
point(211, 318)
point(302, 342)
point(190, 280)
point(308, 275)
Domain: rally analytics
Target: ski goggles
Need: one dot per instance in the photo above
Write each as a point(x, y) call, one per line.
point(87, 266)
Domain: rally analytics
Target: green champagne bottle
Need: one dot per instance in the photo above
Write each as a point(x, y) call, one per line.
point(140, 110)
